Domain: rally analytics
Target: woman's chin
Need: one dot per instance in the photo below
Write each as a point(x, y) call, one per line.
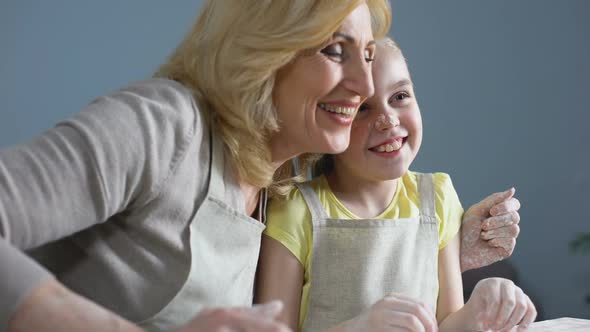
point(335, 145)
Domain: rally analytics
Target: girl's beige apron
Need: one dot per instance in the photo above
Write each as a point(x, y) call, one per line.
point(225, 245)
point(355, 263)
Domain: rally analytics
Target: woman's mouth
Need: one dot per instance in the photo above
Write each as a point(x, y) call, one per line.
point(343, 110)
point(342, 115)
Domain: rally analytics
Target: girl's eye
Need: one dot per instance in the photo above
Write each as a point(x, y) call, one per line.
point(363, 108)
point(363, 112)
point(369, 57)
point(333, 50)
point(398, 97)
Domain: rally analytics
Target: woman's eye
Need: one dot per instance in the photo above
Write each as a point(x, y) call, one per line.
point(334, 50)
point(363, 108)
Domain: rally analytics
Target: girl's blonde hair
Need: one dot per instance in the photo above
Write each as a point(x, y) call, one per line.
point(230, 57)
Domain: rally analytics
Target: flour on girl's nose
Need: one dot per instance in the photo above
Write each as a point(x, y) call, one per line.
point(385, 121)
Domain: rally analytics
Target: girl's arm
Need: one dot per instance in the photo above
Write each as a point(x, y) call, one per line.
point(450, 298)
point(495, 303)
point(279, 277)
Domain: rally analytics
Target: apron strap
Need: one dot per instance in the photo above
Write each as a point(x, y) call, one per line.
point(313, 203)
point(262, 203)
point(216, 185)
point(426, 193)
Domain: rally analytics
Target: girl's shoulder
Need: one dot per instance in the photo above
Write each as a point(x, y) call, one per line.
point(442, 181)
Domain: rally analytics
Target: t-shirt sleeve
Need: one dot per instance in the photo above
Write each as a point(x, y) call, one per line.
point(289, 222)
point(448, 209)
point(110, 157)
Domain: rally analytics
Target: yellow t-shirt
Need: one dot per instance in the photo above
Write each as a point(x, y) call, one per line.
point(289, 220)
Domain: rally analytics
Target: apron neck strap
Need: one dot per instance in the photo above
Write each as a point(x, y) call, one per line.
point(313, 203)
point(426, 193)
point(216, 184)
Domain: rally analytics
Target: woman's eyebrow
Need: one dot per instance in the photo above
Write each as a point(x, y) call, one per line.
point(349, 38)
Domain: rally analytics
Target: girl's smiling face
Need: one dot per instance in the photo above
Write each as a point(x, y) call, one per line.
point(387, 131)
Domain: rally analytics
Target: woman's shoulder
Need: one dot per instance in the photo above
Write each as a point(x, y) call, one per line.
point(159, 112)
point(161, 97)
point(161, 88)
point(146, 128)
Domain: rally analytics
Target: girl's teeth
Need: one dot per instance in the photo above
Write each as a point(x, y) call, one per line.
point(390, 147)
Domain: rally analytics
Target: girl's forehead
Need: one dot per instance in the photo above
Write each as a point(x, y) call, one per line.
point(390, 67)
point(387, 52)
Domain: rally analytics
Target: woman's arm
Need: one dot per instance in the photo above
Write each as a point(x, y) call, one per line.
point(279, 277)
point(52, 307)
point(109, 158)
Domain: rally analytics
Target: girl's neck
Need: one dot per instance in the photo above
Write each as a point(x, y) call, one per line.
point(363, 197)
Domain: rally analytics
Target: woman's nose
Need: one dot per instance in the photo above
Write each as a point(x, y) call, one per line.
point(386, 122)
point(359, 78)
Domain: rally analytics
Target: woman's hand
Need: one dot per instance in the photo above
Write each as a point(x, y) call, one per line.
point(499, 305)
point(489, 230)
point(258, 318)
point(53, 307)
point(394, 313)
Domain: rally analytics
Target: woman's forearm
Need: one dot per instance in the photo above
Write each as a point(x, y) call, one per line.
point(53, 307)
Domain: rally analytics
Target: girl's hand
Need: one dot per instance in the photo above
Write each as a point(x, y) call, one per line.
point(499, 305)
point(489, 230)
point(395, 313)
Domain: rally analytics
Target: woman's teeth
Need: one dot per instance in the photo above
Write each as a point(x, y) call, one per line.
point(389, 147)
point(338, 109)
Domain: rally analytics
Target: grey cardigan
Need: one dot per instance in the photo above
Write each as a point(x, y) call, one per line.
point(103, 201)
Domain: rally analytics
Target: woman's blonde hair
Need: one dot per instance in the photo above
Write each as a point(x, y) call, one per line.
point(230, 57)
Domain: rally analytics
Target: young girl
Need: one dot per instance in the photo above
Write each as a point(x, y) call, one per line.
point(371, 245)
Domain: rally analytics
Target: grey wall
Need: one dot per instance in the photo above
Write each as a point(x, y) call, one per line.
point(56, 56)
point(501, 86)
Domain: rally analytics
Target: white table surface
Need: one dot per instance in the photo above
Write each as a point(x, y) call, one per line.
point(561, 325)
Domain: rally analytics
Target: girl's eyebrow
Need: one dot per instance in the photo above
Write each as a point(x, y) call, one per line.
point(402, 82)
point(349, 38)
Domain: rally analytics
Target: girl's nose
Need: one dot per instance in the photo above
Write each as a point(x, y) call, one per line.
point(386, 122)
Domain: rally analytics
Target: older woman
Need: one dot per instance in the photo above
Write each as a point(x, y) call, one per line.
point(148, 203)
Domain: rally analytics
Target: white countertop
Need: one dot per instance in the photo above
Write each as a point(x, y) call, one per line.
point(561, 325)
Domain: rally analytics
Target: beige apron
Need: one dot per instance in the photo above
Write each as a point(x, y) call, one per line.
point(224, 245)
point(356, 263)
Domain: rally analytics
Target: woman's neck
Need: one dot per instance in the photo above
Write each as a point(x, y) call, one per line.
point(363, 197)
point(251, 195)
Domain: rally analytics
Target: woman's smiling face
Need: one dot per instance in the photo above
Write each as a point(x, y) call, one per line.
point(318, 94)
